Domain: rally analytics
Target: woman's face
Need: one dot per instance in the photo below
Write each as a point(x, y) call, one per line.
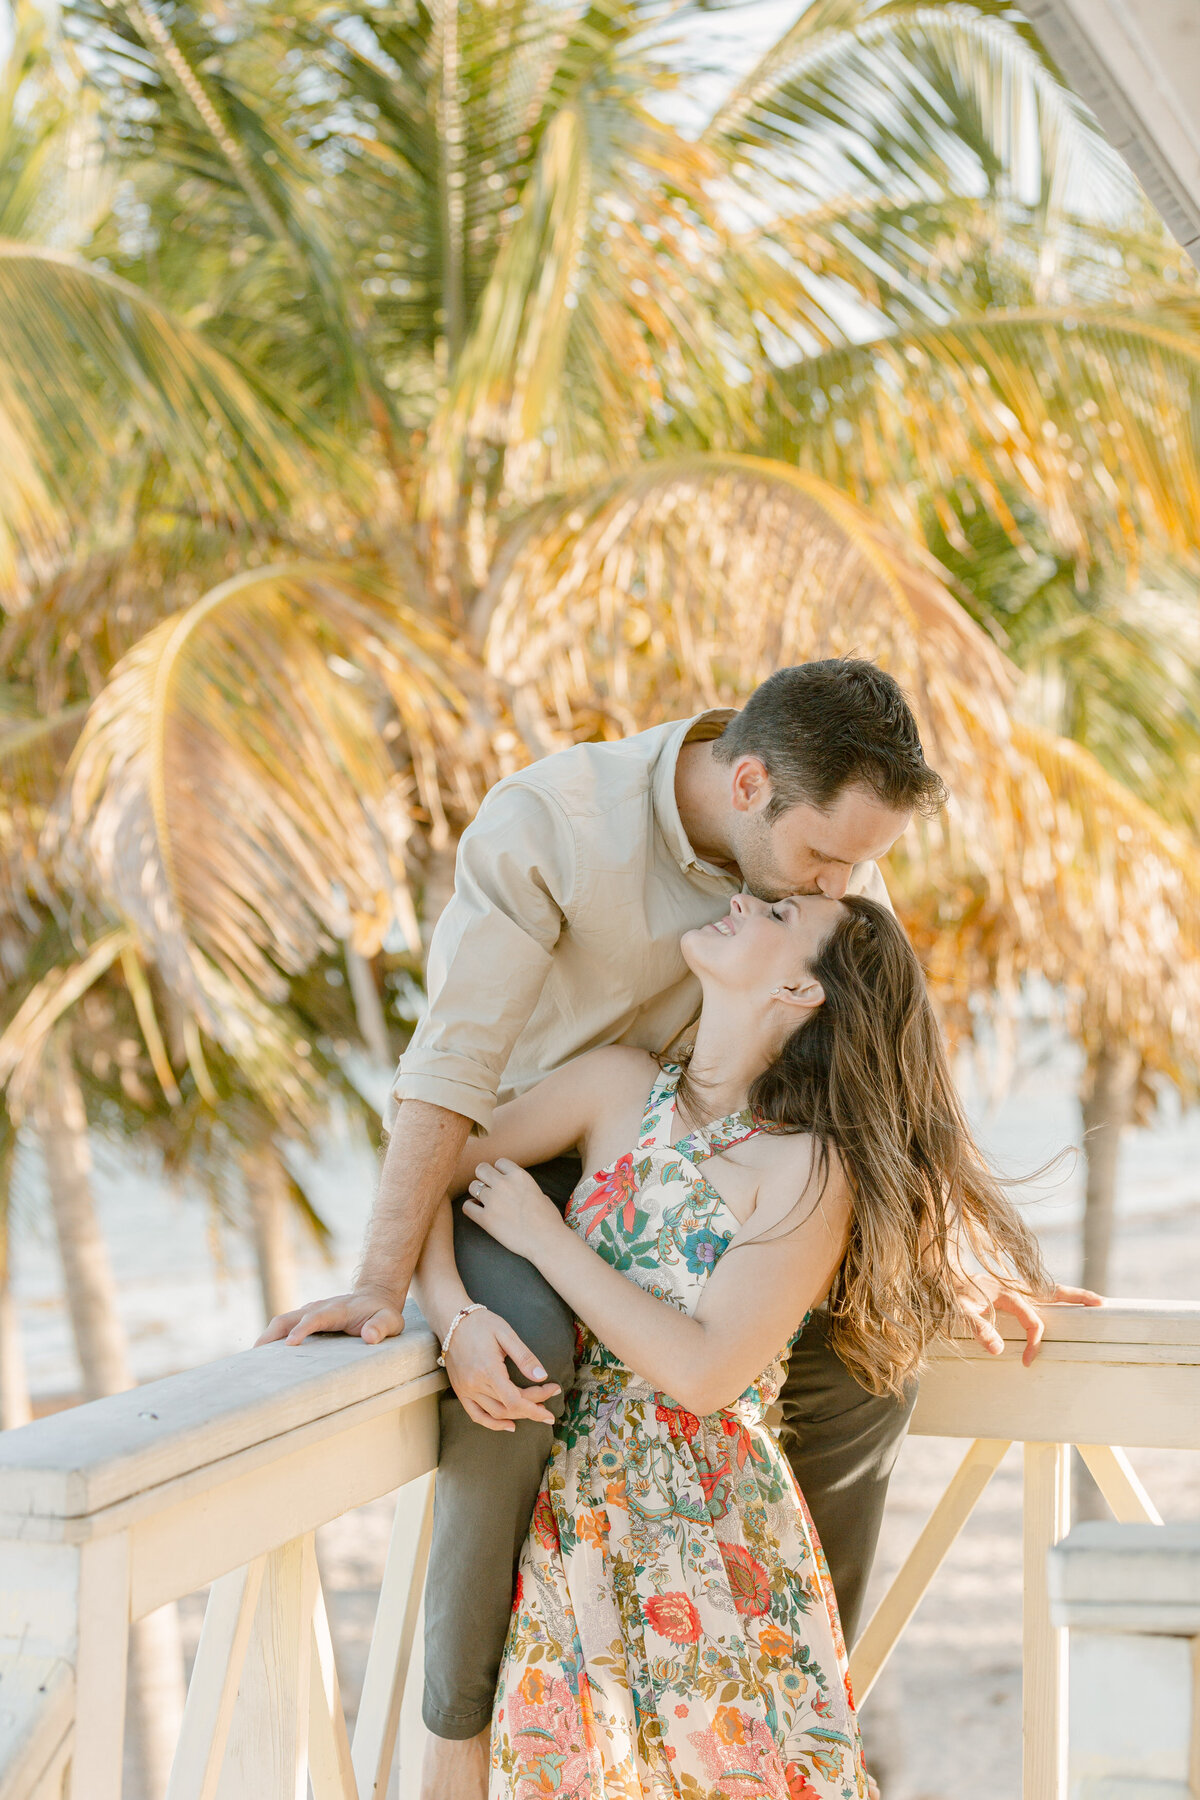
point(762, 944)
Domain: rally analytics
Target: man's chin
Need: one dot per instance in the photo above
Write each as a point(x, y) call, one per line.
point(772, 891)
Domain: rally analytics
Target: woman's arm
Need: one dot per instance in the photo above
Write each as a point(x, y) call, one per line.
point(475, 1361)
point(437, 1283)
point(752, 1303)
point(560, 1112)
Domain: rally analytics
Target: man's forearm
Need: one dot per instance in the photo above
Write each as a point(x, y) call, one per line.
point(417, 1169)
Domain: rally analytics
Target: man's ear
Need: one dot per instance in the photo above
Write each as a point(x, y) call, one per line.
point(750, 785)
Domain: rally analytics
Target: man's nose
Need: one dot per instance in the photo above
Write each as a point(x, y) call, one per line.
point(834, 882)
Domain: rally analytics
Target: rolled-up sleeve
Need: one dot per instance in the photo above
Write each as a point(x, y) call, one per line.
point(514, 881)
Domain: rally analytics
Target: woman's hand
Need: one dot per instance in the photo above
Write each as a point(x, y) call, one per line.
point(512, 1208)
point(476, 1367)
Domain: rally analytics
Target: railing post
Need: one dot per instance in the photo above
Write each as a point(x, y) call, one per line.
point(266, 1757)
point(100, 1669)
point(392, 1643)
point(1047, 1518)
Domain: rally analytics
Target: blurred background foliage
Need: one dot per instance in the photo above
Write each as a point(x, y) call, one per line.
point(391, 392)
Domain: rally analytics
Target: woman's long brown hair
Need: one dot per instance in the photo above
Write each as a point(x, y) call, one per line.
point(867, 1075)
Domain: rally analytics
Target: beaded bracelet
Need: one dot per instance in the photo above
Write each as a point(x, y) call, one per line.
point(456, 1321)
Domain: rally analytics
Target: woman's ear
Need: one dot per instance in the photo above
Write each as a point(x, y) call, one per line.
point(808, 994)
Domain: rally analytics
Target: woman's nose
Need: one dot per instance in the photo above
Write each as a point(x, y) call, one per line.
point(737, 903)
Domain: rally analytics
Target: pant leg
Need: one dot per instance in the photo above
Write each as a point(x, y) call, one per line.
point(842, 1443)
point(487, 1481)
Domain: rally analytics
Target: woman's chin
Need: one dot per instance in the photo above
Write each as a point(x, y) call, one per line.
point(700, 947)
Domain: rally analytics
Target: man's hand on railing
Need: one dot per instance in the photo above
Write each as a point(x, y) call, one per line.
point(475, 1363)
point(982, 1296)
point(368, 1313)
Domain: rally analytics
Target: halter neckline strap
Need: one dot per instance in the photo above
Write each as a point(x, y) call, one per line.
point(706, 1140)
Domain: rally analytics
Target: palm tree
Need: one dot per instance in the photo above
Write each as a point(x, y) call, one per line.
point(435, 399)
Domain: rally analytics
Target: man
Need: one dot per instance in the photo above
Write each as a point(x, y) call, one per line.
point(573, 886)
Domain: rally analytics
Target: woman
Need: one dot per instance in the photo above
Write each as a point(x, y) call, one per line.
point(674, 1631)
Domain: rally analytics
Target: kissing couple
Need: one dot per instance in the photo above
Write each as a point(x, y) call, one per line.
point(676, 1143)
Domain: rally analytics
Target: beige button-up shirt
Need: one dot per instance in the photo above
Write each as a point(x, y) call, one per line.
point(573, 886)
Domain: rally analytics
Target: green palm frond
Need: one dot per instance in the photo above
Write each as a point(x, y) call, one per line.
point(1092, 414)
point(937, 93)
point(34, 750)
point(92, 367)
point(231, 795)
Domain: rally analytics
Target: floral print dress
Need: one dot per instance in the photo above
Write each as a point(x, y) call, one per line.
point(674, 1629)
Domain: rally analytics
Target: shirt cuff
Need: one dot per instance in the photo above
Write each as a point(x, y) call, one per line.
point(457, 1096)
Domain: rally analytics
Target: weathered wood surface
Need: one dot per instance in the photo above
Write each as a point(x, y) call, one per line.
point(82, 1461)
point(1124, 1373)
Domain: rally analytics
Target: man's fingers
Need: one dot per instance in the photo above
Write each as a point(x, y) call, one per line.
point(385, 1323)
point(279, 1327)
point(321, 1318)
point(1073, 1296)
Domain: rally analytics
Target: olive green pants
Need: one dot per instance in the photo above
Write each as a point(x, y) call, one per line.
point(841, 1442)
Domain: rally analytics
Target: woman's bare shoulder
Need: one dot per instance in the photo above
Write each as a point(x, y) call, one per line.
point(793, 1166)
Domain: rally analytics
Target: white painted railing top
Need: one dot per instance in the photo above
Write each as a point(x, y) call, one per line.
point(1127, 1372)
point(1138, 1323)
point(62, 1471)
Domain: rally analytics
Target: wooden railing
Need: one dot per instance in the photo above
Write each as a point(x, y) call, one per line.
point(222, 1474)
point(1127, 1373)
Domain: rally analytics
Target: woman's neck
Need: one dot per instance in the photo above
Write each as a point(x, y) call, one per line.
point(726, 1061)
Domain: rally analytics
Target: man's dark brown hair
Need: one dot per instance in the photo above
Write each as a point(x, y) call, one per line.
point(822, 727)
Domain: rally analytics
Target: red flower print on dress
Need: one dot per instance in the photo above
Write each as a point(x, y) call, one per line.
point(545, 1525)
point(617, 1189)
point(747, 1580)
point(674, 1617)
point(799, 1786)
point(678, 1421)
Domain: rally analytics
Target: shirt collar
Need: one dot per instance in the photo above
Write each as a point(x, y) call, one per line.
point(666, 809)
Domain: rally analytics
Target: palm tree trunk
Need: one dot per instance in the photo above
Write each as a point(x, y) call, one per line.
point(156, 1685)
point(270, 1216)
point(368, 1008)
point(14, 1388)
point(87, 1272)
point(1109, 1090)
point(1110, 1085)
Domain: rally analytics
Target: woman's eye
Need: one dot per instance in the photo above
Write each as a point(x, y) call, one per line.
point(776, 914)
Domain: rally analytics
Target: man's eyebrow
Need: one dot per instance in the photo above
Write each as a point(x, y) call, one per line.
point(822, 856)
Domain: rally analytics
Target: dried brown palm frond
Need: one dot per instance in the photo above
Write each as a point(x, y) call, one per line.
point(33, 754)
point(1104, 903)
point(232, 797)
point(74, 626)
point(686, 584)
